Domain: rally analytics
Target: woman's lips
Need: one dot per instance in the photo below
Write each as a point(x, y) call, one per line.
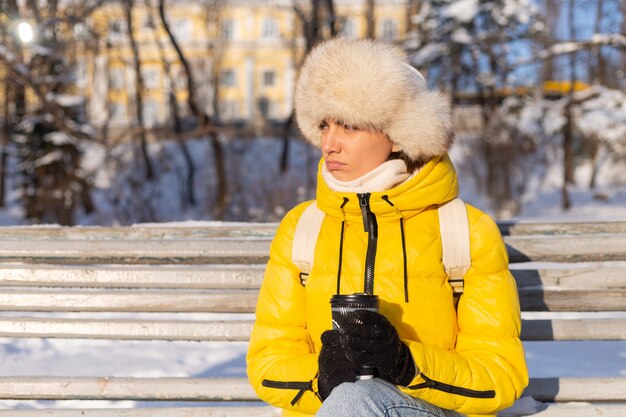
point(334, 165)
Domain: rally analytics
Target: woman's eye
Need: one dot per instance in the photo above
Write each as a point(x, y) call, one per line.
point(323, 126)
point(350, 127)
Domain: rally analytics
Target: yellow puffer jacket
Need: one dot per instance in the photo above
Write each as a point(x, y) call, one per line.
point(472, 362)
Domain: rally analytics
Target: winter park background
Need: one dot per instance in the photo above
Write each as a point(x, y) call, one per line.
point(535, 151)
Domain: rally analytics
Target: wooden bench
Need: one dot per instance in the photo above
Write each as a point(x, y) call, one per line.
point(218, 267)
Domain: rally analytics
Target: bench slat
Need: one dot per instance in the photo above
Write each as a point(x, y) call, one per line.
point(239, 389)
point(183, 251)
point(587, 278)
point(239, 330)
point(244, 301)
point(231, 330)
point(582, 410)
point(250, 276)
point(134, 276)
point(584, 248)
point(552, 410)
point(234, 229)
point(160, 231)
point(233, 301)
point(520, 228)
point(556, 299)
point(239, 411)
point(610, 247)
point(577, 389)
point(574, 329)
point(121, 388)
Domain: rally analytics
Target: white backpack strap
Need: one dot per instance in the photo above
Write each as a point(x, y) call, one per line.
point(454, 229)
point(305, 238)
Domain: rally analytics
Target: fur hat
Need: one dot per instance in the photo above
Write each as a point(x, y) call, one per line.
point(370, 85)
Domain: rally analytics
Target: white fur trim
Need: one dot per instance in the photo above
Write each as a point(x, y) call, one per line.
point(370, 85)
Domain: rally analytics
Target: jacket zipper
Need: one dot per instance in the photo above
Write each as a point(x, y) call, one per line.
point(452, 389)
point(370, 225)
point(302, 387)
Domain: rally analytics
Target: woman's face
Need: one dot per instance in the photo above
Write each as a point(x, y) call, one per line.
point(350, 152)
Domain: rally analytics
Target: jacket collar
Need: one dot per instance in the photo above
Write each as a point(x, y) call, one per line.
point(436, 183)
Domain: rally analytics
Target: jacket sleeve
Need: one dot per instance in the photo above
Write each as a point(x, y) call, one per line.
point(281, 363)
point(486, 371)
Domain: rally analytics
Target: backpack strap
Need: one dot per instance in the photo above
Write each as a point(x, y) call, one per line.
point(305, 238)
point(454, 230)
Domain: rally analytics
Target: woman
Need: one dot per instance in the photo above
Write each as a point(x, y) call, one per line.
point(383, 135)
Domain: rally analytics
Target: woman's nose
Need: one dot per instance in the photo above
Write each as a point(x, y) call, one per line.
point(330, 140)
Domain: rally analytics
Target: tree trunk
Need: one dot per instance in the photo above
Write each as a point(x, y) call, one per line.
point(201, 117)
point(284, 156)
point(597, 69)
point(595, 152)
point(623, 31)
point(191, 87)
point(332, 17)
point(413, 8)
point(568, 128)
point(552, 16)
point(139, 88)
point(370, 19)
point(6, 139)
point(176, 119)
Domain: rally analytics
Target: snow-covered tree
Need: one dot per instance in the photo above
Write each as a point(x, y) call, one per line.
point(471, 47)
point(500, 54)
point(41, 41)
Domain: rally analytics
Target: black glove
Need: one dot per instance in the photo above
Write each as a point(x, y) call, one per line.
point(373, 341)
point(334, 367)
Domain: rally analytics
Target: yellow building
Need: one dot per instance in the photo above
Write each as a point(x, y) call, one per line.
point(244, 56)
point(246, 52)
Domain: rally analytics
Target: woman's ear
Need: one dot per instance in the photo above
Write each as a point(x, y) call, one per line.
point(395, 148)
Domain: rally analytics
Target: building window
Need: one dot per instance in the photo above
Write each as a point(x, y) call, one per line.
point(180, 78)
point(182, 30)
point(268, 108)
point(116, 79)
point(389, 29)
point(269, 78)
point(147, 23)
point(269, 28)
point(117, 111)
point(228, 29)
point(229, 109)
point(150, 113)
point(227, 78)
point(117, 31)
point(81, 31)
point(349, 28)
point(150, 78)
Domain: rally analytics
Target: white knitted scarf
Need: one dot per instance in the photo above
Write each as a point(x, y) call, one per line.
point(382, 178)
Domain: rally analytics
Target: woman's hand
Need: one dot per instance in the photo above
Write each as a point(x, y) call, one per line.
point(334, 367)
point(373, 341)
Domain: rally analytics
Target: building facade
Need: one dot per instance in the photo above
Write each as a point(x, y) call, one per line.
point(243, 56)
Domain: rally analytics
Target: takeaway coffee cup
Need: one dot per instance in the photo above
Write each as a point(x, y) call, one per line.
point(342, 308)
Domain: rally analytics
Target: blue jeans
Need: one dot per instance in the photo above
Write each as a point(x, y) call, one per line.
point(377, 398)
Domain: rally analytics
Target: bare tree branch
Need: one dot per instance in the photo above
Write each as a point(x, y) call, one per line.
point(129, 5)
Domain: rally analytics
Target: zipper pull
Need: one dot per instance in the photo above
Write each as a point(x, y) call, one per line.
point(364, 203)
point(307, 386)
point(370, 225)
